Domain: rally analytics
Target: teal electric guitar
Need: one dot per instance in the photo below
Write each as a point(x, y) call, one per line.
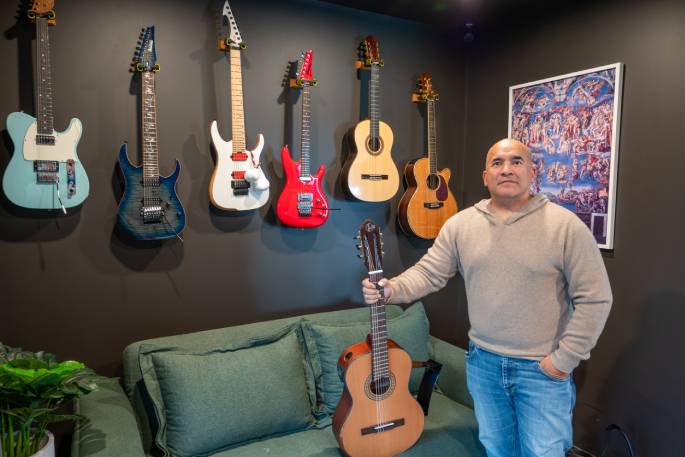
point(44, 172)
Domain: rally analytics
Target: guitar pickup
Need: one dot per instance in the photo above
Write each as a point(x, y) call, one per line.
point(45, 166)
point(375, 177)
point(384, 427)
point(240, 184)
point(238, 175)
point(433, 205)
point(48, 140)
point(47, 178)
point(239, 157)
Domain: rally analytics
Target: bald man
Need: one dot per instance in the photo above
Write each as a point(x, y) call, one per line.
point(538, 298)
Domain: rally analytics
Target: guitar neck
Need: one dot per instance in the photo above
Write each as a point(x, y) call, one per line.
point(375, 99)
point(379, 334)
point(305, 152)
point(432, 138)
point(149, 119)
point(237, 110)
point(44, 78)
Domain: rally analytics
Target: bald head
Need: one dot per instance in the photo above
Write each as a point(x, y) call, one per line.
point(509, 145)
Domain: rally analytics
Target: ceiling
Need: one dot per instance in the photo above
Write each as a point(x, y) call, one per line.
point(457, 13)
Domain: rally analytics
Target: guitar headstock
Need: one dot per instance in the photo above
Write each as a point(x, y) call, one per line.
point(370, 51)
point(146, 55)
point(42, 8)
point(371, 248)
point(234, 40)
point(426, 91)
point(305, 75)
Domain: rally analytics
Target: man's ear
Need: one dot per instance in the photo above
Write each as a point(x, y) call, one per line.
point(485, 182)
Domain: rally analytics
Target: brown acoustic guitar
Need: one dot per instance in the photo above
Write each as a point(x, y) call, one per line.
point(427, 202)
point(377, 415)
point(370, 174)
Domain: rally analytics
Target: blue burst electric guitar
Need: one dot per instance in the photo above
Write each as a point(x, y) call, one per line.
point(44, 172)
point(149, 208)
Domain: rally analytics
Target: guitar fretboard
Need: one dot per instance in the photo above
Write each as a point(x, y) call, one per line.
point(149, 117)
point(305, 152)
point(237, 110)
point(379, 334)
point(432, 138)
point(375, 99)
point(44, 74)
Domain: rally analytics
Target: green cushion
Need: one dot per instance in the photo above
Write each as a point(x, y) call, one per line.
point(326, 341)
point(450, 431)
point(208, 401)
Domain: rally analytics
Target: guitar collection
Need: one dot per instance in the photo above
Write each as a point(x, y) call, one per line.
point(45, 172)
point(377, 415)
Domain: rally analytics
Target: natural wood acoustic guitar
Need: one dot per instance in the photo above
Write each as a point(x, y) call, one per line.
point(369, 174)
point(427, 202)
point(377, 415)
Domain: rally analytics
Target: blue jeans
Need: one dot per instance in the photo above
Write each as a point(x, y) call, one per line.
point(521, 410)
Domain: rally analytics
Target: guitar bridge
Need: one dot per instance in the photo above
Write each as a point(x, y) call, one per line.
point(47, 178)
point(152, 214)
point(384, 427)
point(433, 205)
point(240, 186)
point(375, 177)
point(305, 203)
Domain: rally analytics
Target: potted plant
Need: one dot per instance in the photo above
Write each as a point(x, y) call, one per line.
point(33, 385)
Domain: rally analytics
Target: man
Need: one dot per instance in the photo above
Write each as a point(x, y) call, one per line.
point(538, 297)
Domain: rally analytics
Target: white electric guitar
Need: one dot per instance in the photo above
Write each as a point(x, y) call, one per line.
point(238, 182)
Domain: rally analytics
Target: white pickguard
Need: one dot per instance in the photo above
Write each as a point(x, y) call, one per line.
point(63, 149)
point(220, 191)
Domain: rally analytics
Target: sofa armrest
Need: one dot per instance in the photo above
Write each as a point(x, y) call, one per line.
point(110, 428)
point(452, 380)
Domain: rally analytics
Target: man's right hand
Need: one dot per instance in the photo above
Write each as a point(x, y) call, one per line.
point(372, 294)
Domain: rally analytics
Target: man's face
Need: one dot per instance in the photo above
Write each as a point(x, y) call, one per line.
point(508, 171)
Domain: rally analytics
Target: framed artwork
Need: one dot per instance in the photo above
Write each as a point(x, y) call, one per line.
point(571, 125)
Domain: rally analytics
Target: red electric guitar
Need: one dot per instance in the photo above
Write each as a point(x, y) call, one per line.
point(302, 203)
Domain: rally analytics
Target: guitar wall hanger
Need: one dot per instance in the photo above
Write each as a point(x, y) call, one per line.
point(225, 44)
point(51, 15)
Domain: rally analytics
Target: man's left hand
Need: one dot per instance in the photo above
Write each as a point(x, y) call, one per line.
point(547, 365)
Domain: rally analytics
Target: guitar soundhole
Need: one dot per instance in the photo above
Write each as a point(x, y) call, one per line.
point(374, 145)
point(433, 181)
point(381, 388)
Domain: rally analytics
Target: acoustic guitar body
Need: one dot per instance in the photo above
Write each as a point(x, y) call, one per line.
point(370, 174)
point(427, 202)
point(381, 424)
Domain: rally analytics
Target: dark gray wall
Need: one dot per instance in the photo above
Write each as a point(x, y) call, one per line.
point(72, 287)
point(634, 377)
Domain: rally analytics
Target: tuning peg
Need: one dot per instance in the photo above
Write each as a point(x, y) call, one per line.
point(360, 256)
point(357, 237)
point(382, 253)
point(359, 246)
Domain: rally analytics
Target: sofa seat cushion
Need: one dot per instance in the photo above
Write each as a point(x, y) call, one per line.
point(450, 430)
point(209, 400)
point(327, 340)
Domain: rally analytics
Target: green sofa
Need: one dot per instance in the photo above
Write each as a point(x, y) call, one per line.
point(262, 389)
